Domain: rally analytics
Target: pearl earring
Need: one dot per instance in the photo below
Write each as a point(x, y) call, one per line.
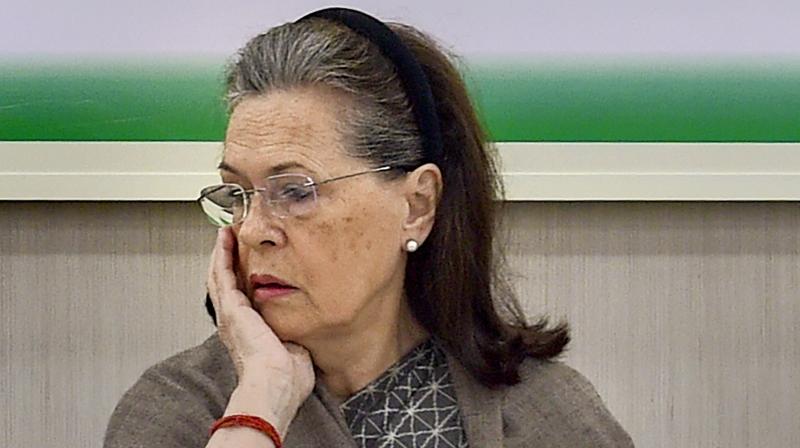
point(412, 245)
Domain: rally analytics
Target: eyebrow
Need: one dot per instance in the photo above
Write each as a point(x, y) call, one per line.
point(279, 168)
point(224, 166)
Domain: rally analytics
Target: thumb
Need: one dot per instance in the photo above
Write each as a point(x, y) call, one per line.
point(300, 354)
point(303, 366)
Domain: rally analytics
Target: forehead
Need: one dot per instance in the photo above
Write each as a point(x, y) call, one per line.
point(281, 127)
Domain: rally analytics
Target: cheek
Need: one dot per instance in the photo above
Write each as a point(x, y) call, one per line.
point(360, 254)
point(344, 261)
point(356, 238)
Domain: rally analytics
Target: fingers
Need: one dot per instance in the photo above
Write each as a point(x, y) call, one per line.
point(211, 283)
point(224, 268)
point(214, 277)
point(222, 282)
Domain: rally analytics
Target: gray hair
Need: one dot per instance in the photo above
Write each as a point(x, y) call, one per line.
point(316, 52)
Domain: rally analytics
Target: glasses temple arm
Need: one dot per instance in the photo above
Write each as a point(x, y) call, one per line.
point(375, 170)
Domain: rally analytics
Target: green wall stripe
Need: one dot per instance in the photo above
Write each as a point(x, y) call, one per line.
point(112, 101)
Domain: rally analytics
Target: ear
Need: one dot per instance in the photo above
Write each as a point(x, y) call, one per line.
point(423, 188)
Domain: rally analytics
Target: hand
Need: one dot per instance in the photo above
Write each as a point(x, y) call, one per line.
point(265, 366)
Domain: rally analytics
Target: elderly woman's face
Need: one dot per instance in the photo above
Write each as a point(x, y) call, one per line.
point(344, 257)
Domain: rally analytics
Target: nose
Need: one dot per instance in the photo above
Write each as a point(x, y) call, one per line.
point(261, 226)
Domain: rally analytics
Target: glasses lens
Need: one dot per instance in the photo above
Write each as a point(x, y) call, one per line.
point(292, 194)
point(223, 204)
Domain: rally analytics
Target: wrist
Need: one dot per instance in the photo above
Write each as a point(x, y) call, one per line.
point(258, 397)
point(254, 423)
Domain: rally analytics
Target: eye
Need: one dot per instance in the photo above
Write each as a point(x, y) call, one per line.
point(296, 192)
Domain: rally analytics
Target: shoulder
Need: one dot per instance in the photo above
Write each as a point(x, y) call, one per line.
point(205, 366)
point(174, 402)
point(556, 405)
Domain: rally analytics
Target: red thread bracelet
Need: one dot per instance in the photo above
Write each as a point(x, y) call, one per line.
point(250, 421)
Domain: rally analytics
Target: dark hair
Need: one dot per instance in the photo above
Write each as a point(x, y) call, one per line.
point(454, 282)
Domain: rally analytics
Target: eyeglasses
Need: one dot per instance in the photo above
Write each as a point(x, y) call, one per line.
point(287, 195)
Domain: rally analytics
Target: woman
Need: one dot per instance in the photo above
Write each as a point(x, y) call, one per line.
point(354, 279)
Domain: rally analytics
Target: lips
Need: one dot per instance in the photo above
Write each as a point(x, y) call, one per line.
point(268, 287)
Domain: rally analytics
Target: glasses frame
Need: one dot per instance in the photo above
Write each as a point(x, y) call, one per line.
point(248, 193)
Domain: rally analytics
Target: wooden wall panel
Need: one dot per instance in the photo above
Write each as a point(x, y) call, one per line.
point(92, 294)
point(685, 316)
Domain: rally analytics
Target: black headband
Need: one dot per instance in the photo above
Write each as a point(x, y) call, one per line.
point(412, 77)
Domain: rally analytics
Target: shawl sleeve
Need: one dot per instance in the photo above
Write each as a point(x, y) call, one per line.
point(173, 403)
